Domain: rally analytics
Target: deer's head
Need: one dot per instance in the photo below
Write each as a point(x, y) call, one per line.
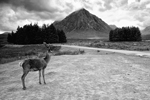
point(49, 47)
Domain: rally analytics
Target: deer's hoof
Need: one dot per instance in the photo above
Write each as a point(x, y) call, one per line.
point(44, 82)
point(24, 88)
point(39, 82)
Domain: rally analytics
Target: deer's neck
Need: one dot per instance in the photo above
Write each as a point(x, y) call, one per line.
point(47, 57)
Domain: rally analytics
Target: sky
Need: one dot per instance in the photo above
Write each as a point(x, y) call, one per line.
point(14, 13)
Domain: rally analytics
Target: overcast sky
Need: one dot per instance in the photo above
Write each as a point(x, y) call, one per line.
point(118, 12)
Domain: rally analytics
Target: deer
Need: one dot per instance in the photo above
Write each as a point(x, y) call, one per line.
point(36, 64)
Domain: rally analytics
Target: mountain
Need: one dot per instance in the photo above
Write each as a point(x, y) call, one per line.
point(146, 30)
point(146, 33)
point(146, 37)
point(3, 38)
point(113, 26)
point(81, 24)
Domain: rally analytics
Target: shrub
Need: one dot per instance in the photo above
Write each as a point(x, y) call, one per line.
point(125, 34)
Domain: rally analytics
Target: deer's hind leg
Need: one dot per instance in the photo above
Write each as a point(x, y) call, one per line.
point(39, 76)
point(25, 72)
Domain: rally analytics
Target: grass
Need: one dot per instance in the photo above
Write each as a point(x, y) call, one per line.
point(68, 52)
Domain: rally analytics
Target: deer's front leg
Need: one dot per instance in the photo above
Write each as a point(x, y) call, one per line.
point(43, 76)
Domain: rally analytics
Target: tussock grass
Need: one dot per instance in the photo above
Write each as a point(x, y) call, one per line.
point(68, 52)
point(137, 46)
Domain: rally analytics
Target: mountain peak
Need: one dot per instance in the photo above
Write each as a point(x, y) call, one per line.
point(82, 21)
point(82, 10)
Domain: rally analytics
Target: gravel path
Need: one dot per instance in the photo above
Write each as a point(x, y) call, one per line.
point(138, 53)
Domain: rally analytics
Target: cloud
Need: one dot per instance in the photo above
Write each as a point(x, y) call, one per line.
point(118, 12)
point(140, 12)
point(30, 5)
point(21, 12)
point(126, 13)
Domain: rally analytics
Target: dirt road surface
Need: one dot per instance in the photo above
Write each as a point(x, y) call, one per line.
point(91, 76)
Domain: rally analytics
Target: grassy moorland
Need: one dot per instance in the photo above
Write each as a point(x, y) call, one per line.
point(9, 53)
point(92, 76)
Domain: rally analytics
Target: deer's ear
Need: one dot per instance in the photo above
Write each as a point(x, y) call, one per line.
point(49, 50)
point(44, 42)
point(46, 45)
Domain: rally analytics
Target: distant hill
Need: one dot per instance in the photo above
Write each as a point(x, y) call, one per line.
point(81, 24)
point(146, 30)
point(146, 37)
point(146, 33)
point(113, 26)
point(3, 38)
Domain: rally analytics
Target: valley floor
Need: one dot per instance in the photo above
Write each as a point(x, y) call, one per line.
point(91, 76)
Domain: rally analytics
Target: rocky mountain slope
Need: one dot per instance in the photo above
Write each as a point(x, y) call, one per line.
point(3, 38)
point(81, 24)
point(146, 33)
point(113, 26)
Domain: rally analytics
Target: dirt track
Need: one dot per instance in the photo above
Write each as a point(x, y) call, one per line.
point(127, 52)
point(92, 76)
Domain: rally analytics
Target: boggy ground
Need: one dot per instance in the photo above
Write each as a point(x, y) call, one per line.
point(92, 76)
